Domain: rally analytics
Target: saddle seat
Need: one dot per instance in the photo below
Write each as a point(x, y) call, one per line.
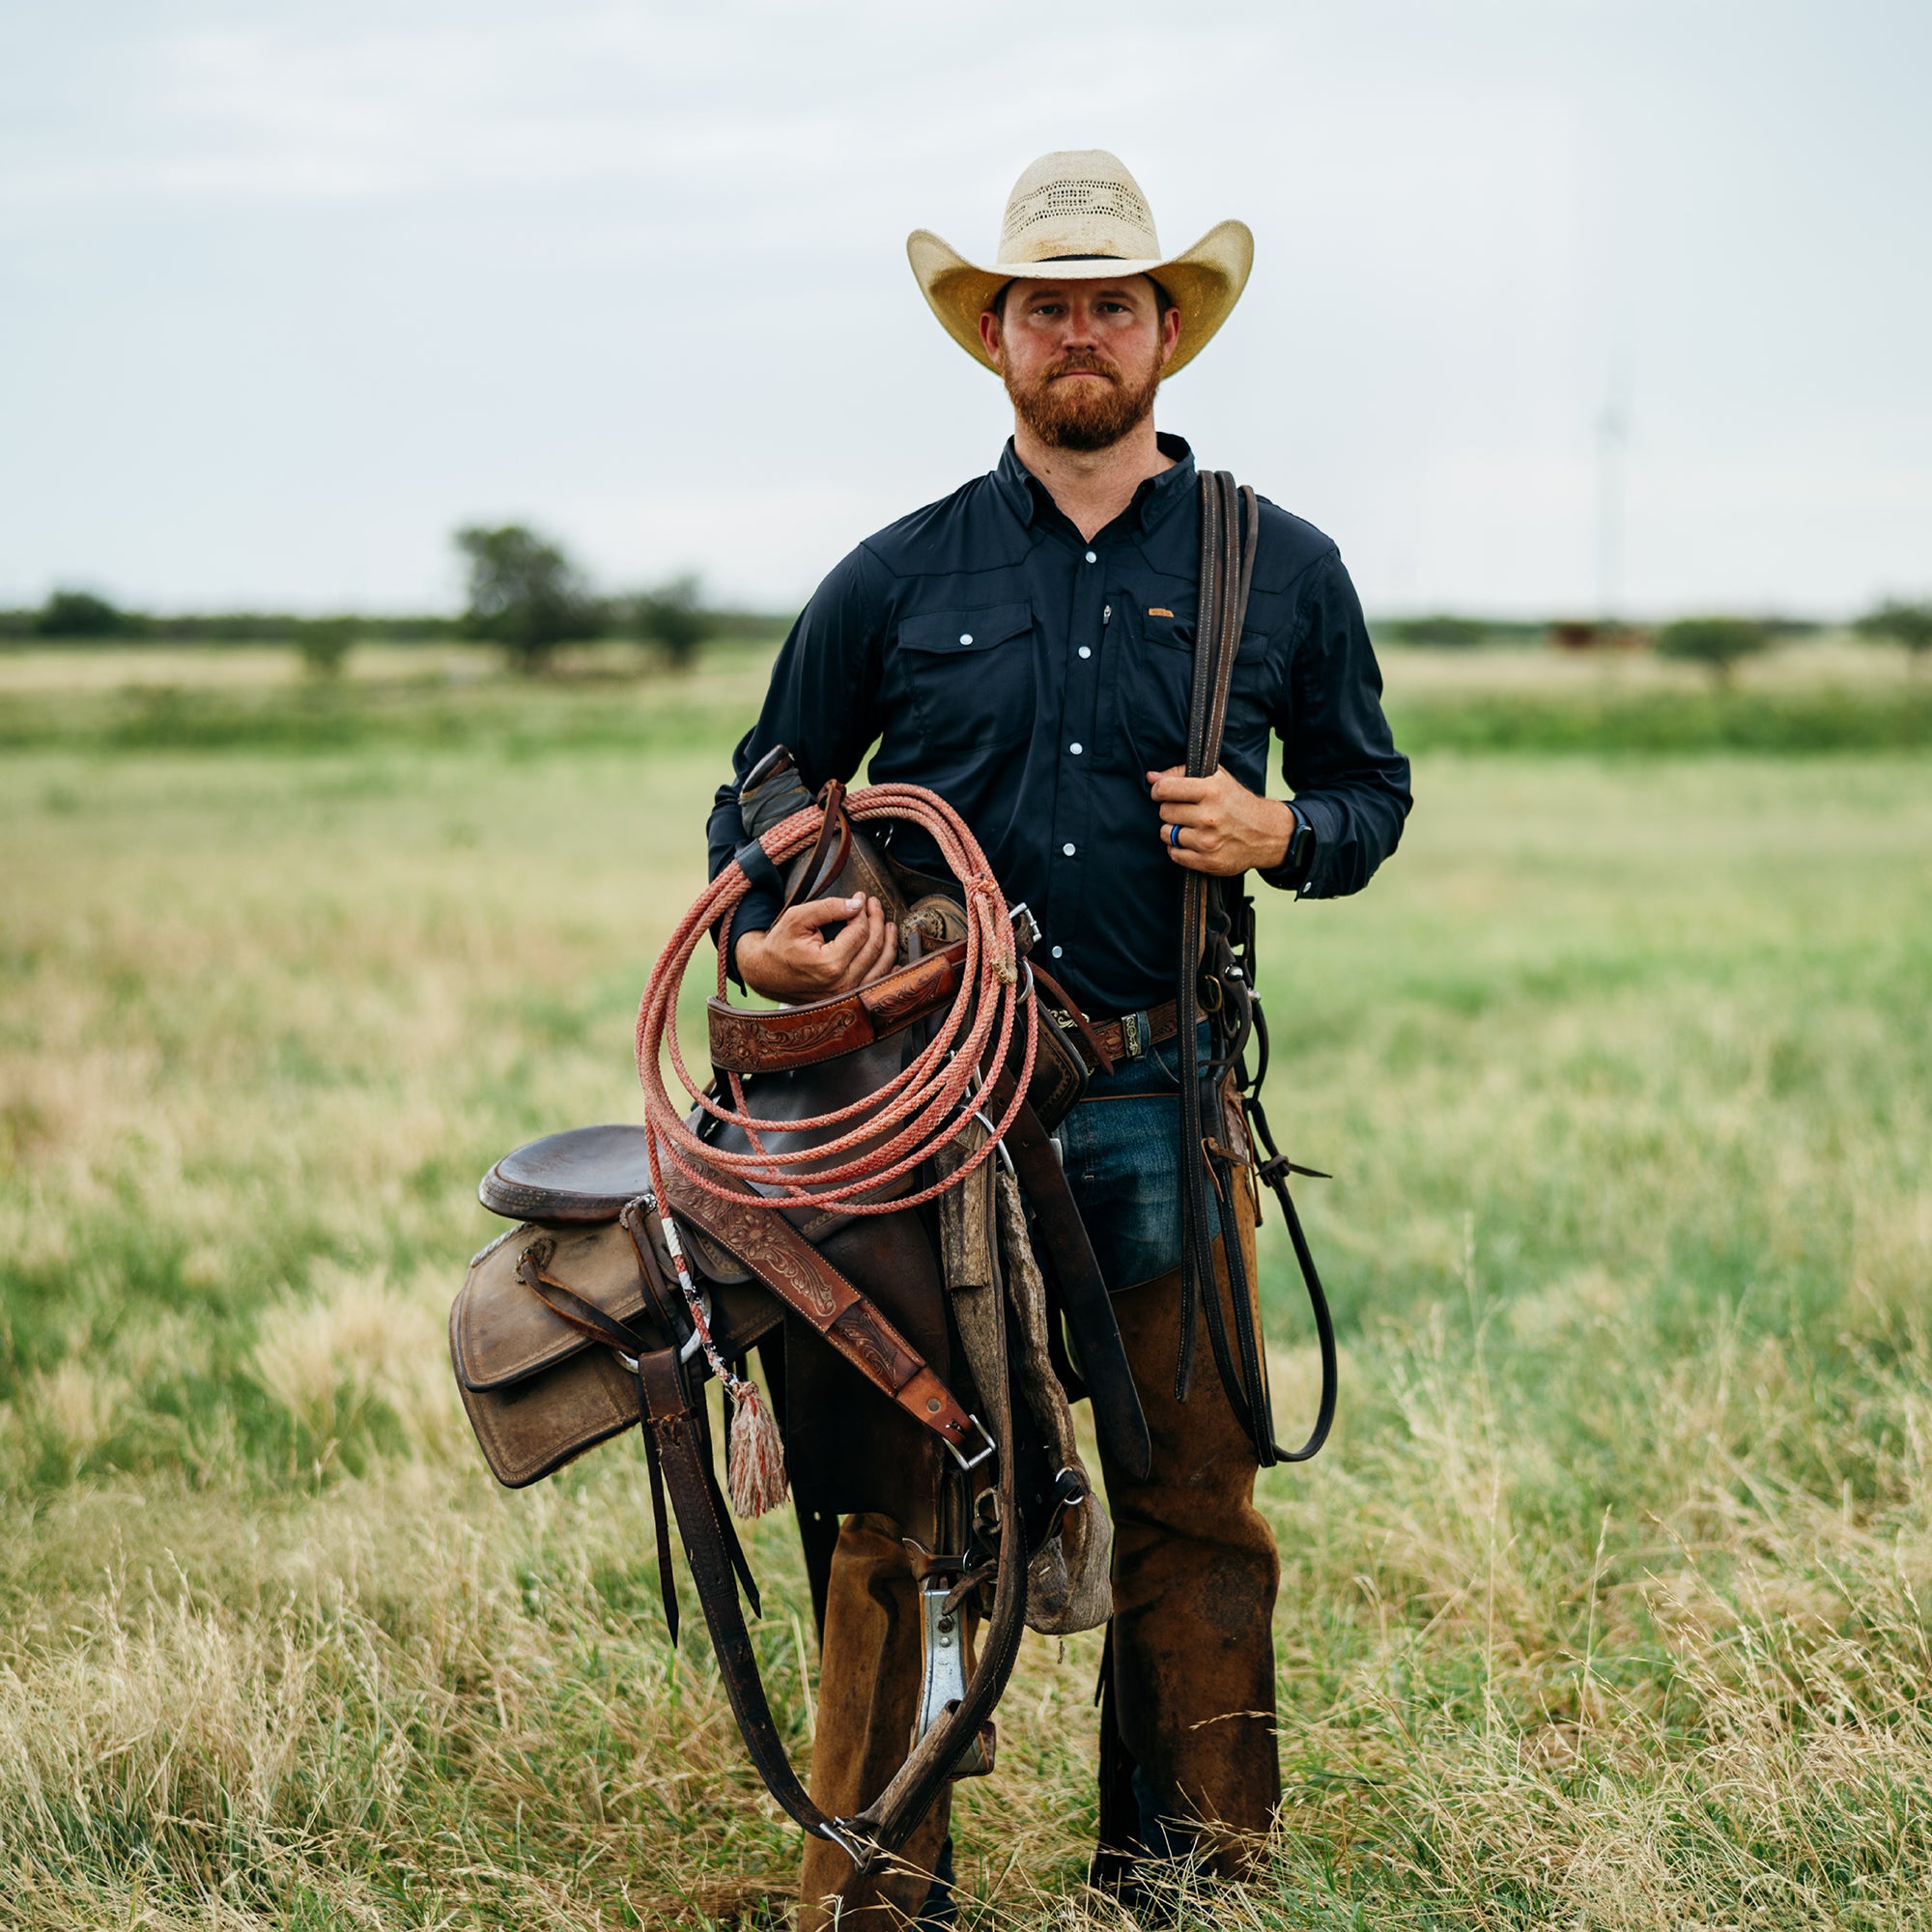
point(585, 1174)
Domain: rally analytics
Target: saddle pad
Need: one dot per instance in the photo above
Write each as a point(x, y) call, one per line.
point(581, 1176)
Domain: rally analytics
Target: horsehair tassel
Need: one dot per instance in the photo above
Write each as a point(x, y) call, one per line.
point(754, 1453)
point(754, 1463)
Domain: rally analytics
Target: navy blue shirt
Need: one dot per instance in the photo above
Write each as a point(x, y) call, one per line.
point(1033, 679)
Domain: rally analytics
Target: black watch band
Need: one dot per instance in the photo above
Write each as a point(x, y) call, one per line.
point(1300, 857)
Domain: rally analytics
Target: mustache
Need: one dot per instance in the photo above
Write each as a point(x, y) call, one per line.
point(1089, 361)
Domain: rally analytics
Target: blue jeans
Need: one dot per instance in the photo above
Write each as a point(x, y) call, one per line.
point(1121, 1145)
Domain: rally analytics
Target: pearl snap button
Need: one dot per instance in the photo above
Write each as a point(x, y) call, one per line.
point(1057, 952)
point(1091, 559)
point(1067, 848)
point(1085, 652)
point(965, 637)
point(1074, 747)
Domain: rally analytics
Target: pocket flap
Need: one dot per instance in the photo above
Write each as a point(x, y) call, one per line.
point(500, 1333)
point(1176, 630)
point(958, 631)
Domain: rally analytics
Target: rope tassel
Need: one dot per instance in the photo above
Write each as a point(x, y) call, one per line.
point(755, 1453)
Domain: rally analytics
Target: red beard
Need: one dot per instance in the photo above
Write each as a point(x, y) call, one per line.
point(1084, 415)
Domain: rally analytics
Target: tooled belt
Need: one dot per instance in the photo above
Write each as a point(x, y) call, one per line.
point(1133, 1035)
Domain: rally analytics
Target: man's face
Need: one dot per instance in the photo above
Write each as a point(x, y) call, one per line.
point(1081, 360)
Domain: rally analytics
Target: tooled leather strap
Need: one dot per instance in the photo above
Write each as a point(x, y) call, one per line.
point(749, 1040)
point(809, 1285)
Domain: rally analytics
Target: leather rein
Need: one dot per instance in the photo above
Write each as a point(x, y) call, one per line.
point(1216, 980)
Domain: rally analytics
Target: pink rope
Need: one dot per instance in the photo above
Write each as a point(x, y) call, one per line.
point(887, 1133)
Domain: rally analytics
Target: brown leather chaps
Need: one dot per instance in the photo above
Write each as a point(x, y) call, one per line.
point(1188, 1695)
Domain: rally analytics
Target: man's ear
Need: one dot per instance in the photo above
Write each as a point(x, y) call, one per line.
point(990, 337)
point(1170, 332)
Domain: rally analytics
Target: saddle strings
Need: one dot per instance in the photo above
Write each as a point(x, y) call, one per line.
point(889, 1132)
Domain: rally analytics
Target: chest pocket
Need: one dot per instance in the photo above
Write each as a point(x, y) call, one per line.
point(971, 677)
point(1157, 685)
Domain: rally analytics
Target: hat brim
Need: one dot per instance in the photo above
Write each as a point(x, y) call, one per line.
point(1206, 282)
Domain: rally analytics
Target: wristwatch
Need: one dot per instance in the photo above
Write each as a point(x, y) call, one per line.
point(1300, 858)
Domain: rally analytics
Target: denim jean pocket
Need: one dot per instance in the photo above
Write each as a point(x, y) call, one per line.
point(1123, 1147)
point(1123, 1166)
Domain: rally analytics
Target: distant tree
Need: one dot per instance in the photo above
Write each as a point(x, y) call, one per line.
point(1717, 643)
point(79, 613)
point(1906, 625)
point(674, 617)
point(324, 643)
point(524, 594)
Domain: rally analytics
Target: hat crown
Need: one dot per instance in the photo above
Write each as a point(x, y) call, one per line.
point(1079, 202)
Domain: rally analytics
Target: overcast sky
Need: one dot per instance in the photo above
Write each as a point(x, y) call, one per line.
point(287, 292)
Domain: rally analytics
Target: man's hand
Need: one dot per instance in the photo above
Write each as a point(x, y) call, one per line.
point(1222, 825)
point(794, 960)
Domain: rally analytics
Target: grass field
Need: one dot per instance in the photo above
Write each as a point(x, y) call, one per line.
point(1607, 1606)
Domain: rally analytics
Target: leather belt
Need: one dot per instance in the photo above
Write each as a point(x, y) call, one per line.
point(752, 1039)
point(1134, 1034)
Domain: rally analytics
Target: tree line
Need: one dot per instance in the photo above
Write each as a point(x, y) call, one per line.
point(527, 594)
point(1717, 643)
point(524, 592)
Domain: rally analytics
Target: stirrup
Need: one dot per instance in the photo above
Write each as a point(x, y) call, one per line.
point(943, 1681)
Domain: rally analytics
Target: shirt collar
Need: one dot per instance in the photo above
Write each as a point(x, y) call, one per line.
point(1157, 496)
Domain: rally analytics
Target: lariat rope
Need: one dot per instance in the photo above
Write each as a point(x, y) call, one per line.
point(880, 1138)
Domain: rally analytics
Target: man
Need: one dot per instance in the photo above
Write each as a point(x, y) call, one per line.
point(1024, 648)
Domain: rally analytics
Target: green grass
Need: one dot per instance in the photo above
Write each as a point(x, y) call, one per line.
point(1618, 709)
point(1827, 719)
point(1606, 1607)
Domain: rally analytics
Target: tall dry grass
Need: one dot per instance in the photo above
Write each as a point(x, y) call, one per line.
point(1605, 1610)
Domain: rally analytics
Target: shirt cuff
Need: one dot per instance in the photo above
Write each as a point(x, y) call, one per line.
point(1300, 878)
point(756, 912)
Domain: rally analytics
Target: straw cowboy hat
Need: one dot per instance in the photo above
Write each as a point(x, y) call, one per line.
point(1081, 216)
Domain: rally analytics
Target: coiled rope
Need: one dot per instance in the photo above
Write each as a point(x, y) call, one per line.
point(886, 1133)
